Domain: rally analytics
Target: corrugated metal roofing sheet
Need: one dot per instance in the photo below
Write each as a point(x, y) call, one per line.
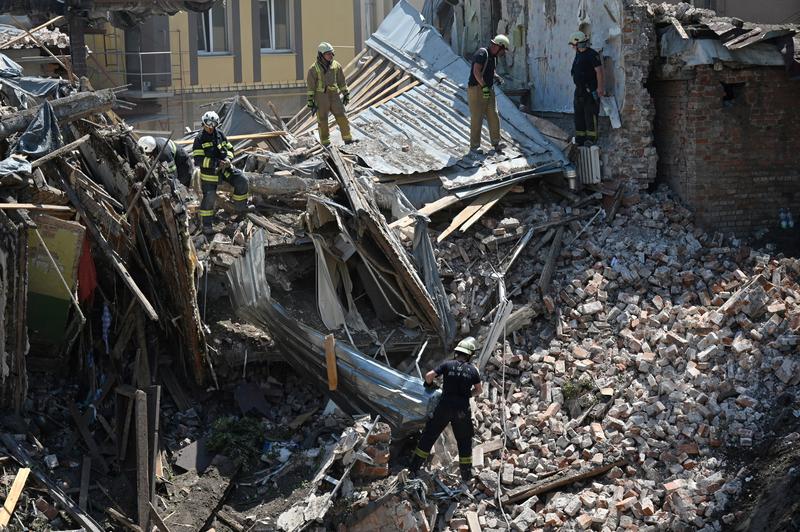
point(427, 128)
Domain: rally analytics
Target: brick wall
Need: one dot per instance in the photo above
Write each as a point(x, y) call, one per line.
point(735, 165)
point(629, 152)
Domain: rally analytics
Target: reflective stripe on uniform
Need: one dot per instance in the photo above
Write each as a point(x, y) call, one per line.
point(465, 459)
point(207, 145)
point(207, 162)
point(239, 197)
point(210, 178)
point(206, 213)
point(422, 454)
point(198, 152)
point(320, 87)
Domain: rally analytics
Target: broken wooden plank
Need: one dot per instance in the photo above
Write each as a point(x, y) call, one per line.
point(123, 521)
point(427, 210)
point(464, 216)
point(550, 264)
point(35, 207)
point(157, 521)
point(142, 465)
point(86, 472)
point(174, 389)
point(330, 362)
point(496, 195)
point(472, 522)
point(58, 152)
point(11, 42)
point(94, 451)
point(153, 421)
point(13, 495)
point(560, 479)
point(679, 28)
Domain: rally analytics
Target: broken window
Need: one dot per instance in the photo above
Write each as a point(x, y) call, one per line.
point(212, 30)
point(274, 18)
point(732, 93)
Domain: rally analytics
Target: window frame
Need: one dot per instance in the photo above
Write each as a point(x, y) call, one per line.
point(207, 16)
point(271, 16)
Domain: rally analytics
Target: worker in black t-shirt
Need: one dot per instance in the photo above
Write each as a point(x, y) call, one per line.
point(480, 93)
point(461, 381)
point(587, 73)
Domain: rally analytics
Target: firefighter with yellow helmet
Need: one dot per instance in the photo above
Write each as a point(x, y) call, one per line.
point(328, 94)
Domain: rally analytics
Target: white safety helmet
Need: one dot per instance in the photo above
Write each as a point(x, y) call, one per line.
point(502, 41)
point(578, 37)
point(210, 119)
point(147, 144)
point(467, 346)
point(324, 47)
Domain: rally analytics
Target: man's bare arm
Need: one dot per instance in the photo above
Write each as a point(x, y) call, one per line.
point(477, 389)
point(430, 376)
point(477, 72)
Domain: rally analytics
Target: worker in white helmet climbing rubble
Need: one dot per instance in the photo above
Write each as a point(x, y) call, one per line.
point(175, 159)
point(461, 381)
point(480, 93)
point(213, 154)
point(328, 94)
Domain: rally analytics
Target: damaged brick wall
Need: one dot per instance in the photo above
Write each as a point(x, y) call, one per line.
point(629, 152)
point(734, 161)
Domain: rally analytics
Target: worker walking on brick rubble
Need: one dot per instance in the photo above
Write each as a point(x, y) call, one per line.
point(461, 381)
point(213, 154)
point(480, 93)
point(175, 159)
point(328, 93)
point(587, 73)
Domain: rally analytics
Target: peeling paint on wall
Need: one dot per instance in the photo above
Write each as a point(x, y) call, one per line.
point(550, 57)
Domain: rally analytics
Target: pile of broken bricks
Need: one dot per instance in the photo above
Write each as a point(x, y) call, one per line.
point(656, 345)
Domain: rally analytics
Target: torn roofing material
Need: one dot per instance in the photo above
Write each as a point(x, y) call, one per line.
point(364, 385)
point(425, 127)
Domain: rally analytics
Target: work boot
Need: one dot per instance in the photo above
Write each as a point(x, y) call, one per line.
point(466, 472)
point(208, 230)
point(499, 147)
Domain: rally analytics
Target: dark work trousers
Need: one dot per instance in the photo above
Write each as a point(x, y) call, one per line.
point(184, 170)
point(587, 109)
point(207, 206)
point(460, 418)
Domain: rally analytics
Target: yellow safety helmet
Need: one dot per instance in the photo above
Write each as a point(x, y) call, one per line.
point(324, 47)
point(578, 37)
point(502, 41)
point(467, 346)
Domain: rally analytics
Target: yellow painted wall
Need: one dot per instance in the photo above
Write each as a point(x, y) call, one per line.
point(331, 20)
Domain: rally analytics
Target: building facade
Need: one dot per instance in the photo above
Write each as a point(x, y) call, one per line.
point(176, 66)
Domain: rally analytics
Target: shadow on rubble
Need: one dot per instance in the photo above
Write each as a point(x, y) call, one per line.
point(770, 500)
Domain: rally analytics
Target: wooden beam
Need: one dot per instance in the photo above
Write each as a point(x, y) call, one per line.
point(562, 478)
point(427, 210)
point(142, 465)
point(66, 148)
point(157, 521)
point(94, 451)
point(67, 109)
point(123, 521)
point(8, 44)
point(496, 195)
point(330, 361)
point(13, 495)
point(552, 257)
point(86, 472)
point(35, 207)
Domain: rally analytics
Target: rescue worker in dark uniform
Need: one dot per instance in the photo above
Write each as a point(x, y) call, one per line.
point(213, 154)
point(174, 157)
point(587, 73)
point(480, 93)
point(461, 381)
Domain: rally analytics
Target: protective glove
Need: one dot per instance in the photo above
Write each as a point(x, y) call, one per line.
point(224, 165)
point(486, 91)
point(311, 104)
point(345, 98)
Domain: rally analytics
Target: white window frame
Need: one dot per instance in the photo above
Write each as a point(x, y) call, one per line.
point(207, 19)
point(271, 8)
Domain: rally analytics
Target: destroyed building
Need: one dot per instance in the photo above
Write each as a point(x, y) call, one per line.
point(639, 372)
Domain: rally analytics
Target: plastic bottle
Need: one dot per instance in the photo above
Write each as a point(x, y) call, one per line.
point(783, 220)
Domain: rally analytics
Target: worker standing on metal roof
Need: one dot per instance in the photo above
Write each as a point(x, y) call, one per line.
point(175, 159)
point(462, 380)
point(587, 73)
point(213, 154)
point(480, 92)
point(327, 93)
